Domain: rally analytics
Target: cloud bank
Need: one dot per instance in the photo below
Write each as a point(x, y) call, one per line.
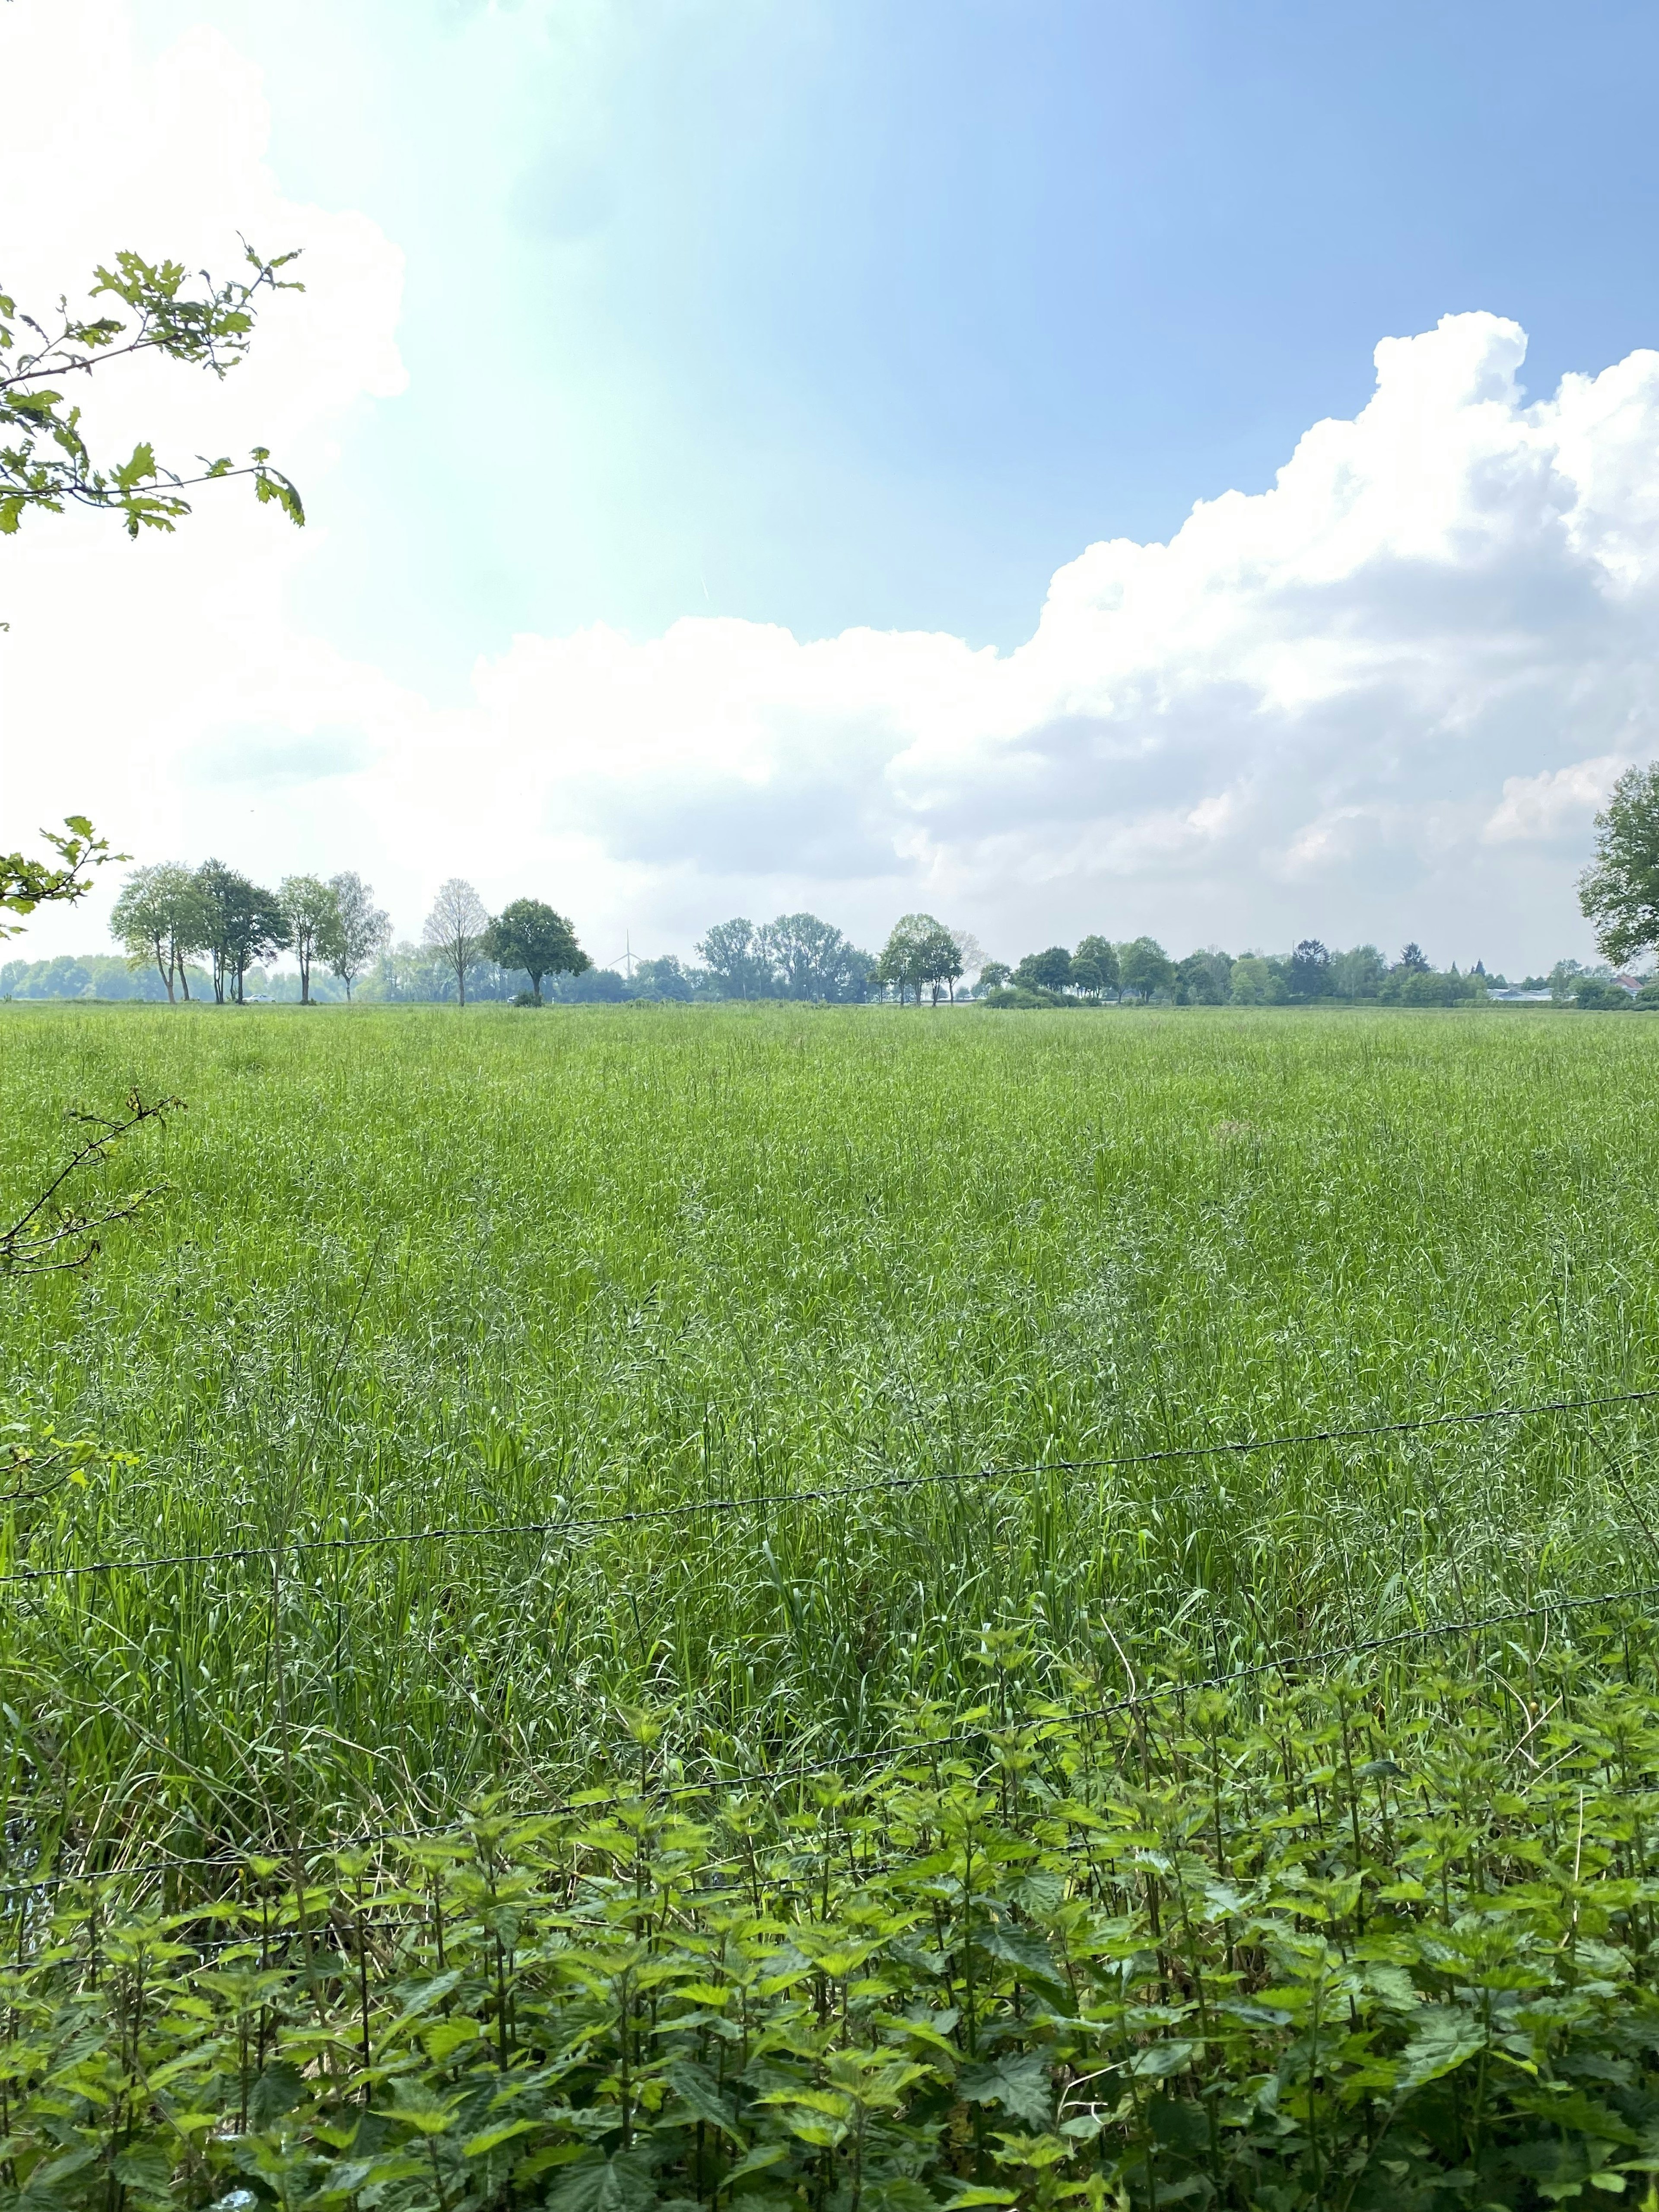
point(1381, 698)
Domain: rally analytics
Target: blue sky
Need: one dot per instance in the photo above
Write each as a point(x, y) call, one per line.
point(1191, 469)
point(876, 313)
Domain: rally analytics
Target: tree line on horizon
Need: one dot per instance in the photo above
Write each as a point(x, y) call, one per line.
point(208, 930)
point(1142, 972)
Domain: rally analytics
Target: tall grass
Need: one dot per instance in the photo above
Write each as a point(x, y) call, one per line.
point(422, 1268)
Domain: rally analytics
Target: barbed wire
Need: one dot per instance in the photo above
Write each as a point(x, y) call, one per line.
point(1296, 1663)
point(471, 1531)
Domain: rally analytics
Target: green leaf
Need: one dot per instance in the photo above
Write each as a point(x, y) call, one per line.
point(1442, 2039)
point(476, 2146)
point(620, 2183)
point(448, 2036)
point(1159, 2060)
point(1019, 2084)
point(699, 2090)
point(756, 2160)
point(277, 2090)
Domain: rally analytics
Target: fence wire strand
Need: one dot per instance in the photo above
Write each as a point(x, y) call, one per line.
point(756, 1501)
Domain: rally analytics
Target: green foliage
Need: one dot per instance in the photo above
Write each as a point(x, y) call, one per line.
point(455, 930)
point(1094, 967)
point(1145, 968)
point(27, 883)
point(528, 935)
point(1412, 986)
point(1045, 971)
point(312, 922)
point(164, 914)
point(921, 953)
point(359, 931)
point(241, 923)
point(1620, 890)
point(48, 466)
point(1376, 1942)
point(1594, 995)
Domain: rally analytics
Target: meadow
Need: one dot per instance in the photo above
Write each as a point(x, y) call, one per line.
point(420, 1270)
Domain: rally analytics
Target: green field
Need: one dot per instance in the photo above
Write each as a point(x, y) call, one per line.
point(420, 1268)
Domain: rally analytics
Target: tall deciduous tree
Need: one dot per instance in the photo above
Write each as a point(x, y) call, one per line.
point(359, 933)
point(808, 958)
point(733, 952)
point(243, 923)
point(1045, 971)
point(311, 913)
point(1144, 967)
point(909, 950)
point(1094, 967)
point(938, 961)
point(161, 915)
point(528, 934)
point(455, 929)
point(1619, 890)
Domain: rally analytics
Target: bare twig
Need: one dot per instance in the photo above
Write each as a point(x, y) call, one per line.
point(39, 1242)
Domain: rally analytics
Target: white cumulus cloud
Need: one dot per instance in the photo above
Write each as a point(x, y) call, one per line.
point(1381, 698)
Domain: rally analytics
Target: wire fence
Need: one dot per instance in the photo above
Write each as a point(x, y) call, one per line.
point(827, 1494)
point(1323, 1659)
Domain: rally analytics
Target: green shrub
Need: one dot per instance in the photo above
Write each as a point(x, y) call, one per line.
point(1592, 995)
point(1384, 1942)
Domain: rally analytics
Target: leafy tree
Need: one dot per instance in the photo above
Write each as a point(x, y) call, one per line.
point(45, 464)
point(358, 932)
point(1619, 890)
point(1203, 979)
point(1309, 975)
point(1256, 982)
point(1144, 967)
point(311, 913)
point(1412, 960)
point(732, 953)
point(1045, 971)
point(242, 923)
point(664, 978)
point(806, 958)
point(1596, 995)
point(904, 959)
point(162, 916)
point(993, 976)
point(938, 961)
point(455, 929)
point(1359, 973)
point(529, 935)
point(1094, 967)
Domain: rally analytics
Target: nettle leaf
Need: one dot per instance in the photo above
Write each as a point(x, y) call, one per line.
point(1159, 2060)
point(1442, 2039)
point(1022, 1948)
point(621, 2183)
point(277, 2091)
point(1019, 2085)
point(756, 2160)
point(699, 2090)
point(492, 2138)
point(447, 2037)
